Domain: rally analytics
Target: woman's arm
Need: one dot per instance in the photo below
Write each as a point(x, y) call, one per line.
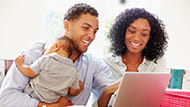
point(106, 95)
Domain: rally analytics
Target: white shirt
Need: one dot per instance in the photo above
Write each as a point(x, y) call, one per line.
point(92, 72)
point(118, 68)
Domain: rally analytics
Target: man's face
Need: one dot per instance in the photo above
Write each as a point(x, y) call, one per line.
point(82, 31)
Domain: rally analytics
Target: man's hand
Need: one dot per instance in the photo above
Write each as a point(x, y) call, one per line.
point(62, 102)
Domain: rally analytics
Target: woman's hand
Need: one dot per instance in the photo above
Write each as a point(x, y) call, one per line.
point(62, 102)
point(106, 95)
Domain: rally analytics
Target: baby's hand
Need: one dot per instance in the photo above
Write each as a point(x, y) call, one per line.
point(19, 60)
point(81, 85)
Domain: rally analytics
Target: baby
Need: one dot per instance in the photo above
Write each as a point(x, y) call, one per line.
point(53, 74)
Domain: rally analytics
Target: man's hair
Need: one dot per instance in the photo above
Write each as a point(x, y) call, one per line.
point(81, 8)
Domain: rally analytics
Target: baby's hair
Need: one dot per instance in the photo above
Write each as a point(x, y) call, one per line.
point(68, 45)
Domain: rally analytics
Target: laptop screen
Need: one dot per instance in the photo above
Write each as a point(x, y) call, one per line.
point(141, 89)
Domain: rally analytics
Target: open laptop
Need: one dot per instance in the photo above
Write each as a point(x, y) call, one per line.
point(141, 89)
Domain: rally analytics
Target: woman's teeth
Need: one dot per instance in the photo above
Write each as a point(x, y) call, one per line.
point(135, 44)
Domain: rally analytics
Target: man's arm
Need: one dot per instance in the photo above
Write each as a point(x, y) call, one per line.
point(100, 81)
point(11, 93)
point(101, 77)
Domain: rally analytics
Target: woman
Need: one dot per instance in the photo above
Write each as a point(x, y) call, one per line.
point(138, 41)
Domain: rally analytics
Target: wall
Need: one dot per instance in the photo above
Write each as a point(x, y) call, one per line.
point(22, 21)
point(20, 24)
point(176, 16)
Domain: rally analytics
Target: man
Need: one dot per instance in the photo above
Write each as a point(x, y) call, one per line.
point(81, 25)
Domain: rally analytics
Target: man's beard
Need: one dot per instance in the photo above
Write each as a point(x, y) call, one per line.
point(76, 49)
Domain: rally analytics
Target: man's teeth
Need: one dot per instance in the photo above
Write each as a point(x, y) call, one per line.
point(135, 44)
point(86, 42)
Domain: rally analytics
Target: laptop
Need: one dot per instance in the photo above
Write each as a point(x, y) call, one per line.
point(142, 89)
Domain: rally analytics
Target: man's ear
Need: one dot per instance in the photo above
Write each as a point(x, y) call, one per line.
point(66, 25)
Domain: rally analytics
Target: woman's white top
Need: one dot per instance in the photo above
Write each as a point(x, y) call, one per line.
point(118, 68)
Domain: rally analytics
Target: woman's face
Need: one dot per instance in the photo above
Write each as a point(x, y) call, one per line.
point(137, 35)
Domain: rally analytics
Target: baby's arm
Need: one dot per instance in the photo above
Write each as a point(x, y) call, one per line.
point(75, 92)
point(24, 68)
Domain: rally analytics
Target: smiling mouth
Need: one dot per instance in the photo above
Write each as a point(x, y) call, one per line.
point(86, 42)
point(135, 45)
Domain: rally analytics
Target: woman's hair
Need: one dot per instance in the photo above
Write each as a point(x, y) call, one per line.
point(157, 43)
